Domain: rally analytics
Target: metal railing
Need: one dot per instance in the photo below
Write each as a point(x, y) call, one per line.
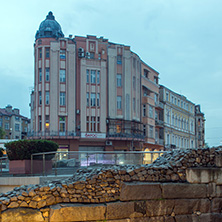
point(4, 165)
point(62, 162)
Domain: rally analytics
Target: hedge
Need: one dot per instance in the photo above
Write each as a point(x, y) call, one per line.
point(23, 149)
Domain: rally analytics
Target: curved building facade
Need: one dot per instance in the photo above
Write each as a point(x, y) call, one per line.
point(92, 94)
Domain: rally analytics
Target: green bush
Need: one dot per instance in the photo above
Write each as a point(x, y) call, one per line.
point(23, 149)
point(1, 152)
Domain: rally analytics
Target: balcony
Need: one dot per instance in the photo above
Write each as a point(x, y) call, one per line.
point(159, 105)
point(159, 123)
point(125, 136)
point(53, 135)
point(159, 141)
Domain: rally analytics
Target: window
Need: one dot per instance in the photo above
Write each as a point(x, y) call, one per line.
point(87, 99)
point(156, 98)
point(98, 124)
point(6, 126)
point(87, 76)
point(62, 99)
point(17, 127)
point(168, 117)
point(146, 73)
point(98, 77)
point(151, 131)
point(47, 122)
point(172, 119)
point(144, 130)
point(168, 139)
point(62, 125)
point(144, 109)
point(175, 101)
point(134, 82)
point(40, 75)
point(172, 99)
point(17, 118)
point(150, 111)
point(191, 109)
point(93, 99)
point(156, 79)
point(98, 99)
point(178, 102)
point(93, 123)
point(119, 80)
point(134, 105)
point(40, 98)
point(167, 96)
point(47, 74)
point(119, 59)
point(181, 104)
point(93, 76)
point(47, 53)
point(99, 56)
point(62, 54)
point(92, 55)
point(119, 102)
point(40, 123)
point(47, 97)
point(6, 118)
point(40, 53)
point(191, 126)
point(87, 124)
point(62, 75)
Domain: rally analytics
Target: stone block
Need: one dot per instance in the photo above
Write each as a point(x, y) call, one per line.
point(188, 206)
point(77, 212)
point(211, 190)
point(204, 175)
point(119, 210)
point(218, 161)
point(21, 215)
point(219, 191)
point(183, 218)
point(216, 205)
point(183, 190)
point(159, 207)
point(148, 219)
point(216, 217)
point(140, 191)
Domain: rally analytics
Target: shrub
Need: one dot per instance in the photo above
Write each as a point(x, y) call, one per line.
point(23, 149)
point(1, 152)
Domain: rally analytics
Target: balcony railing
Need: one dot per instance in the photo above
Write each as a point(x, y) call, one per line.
point(159, 122)
point(46, 134)
point(126, 135)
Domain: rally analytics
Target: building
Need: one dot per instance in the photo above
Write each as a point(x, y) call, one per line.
point(199, 127)
point(88, 93)
point(13, 123)
point(179, 120)
point(151, 109)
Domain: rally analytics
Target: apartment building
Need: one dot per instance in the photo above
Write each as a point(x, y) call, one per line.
point(13, 123)
point(179, 120)
point(87, 93)
point(199, 127)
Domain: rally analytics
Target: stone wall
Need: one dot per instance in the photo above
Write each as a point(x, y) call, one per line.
point(168, 190)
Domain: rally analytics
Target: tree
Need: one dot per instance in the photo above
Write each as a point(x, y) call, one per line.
point(2, 133)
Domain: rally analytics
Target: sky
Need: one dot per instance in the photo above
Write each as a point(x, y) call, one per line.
point(181, 39)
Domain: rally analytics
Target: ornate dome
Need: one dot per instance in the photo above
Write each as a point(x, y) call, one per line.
point(49, 28)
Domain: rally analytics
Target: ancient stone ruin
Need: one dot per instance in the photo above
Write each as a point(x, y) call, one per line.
point(181, 185)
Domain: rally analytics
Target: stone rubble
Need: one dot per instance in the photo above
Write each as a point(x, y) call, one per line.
point(103, 184)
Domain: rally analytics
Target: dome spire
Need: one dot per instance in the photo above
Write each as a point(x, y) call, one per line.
point(50, 16)
point(49, 28)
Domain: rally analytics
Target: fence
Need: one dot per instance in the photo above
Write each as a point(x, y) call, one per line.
point(66, 163)
point(60, 163)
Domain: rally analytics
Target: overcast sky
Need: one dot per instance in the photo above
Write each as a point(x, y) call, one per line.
point(181, 39)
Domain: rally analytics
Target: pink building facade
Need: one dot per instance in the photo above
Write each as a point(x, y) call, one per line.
point(90, 94)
